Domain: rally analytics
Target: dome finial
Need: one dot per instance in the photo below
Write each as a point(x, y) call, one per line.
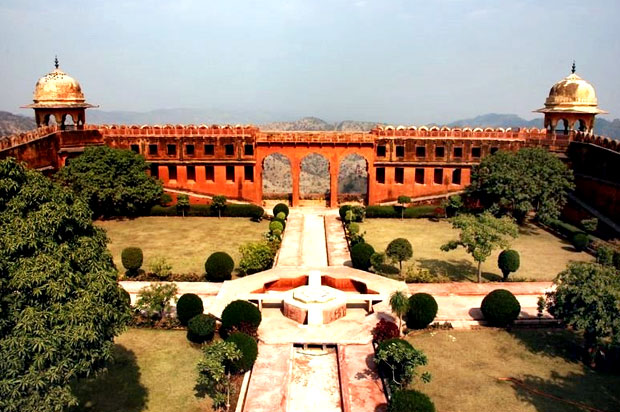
point(574, 67)
point(56, 61)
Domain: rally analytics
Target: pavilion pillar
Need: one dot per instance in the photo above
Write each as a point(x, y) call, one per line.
point(295, 170)
point(333, 182)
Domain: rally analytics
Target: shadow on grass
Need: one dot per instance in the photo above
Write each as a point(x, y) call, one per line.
point(456, 270)
point(576, 392)
point(529, 229)
point(117, 389)
point(563, 343)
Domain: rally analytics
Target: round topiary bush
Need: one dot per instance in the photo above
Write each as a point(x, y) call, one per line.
point(281, 216)
point(508, 261)
point(276, 225)
point(201, 328)
point(249, 349)
point(188, 306)
point(410, 400)
point(132, 258)
point(240, 315)
point(353, 228)
point(580, 241)
point(500, 307)
point(282, 222)
point(360, 255)
point(219, 267)
point(422, 310)
point(343, 211)
point(280, 207)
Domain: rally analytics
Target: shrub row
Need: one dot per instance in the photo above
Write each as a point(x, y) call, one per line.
point(231, 210)
point(395, 212)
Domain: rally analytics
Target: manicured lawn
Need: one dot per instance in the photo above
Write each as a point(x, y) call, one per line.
point(184, 242)
point(466, 365)
point(543, 255)
point(152, 371)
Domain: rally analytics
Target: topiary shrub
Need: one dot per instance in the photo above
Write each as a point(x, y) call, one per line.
point(360, 255)
point(249, 350)
point(256, 213)
point(132, 259)
point(353, 228)
point(219, 267)
point(343, 211)
point(399, 250)
point(605, 255)
point(508, 262)
point(580, 241)
point(188, 306)
point(276, 225)
point(201, 328)
point(281, 216)
point(384, 330)
point(410, 400)
point(281, 221)
point(240, 315)
point(500, 307)
point(281, 207)
point(422, 311)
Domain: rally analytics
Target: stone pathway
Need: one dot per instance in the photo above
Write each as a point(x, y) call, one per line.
point(362, 390)
point(337, 247)
point(267, 390)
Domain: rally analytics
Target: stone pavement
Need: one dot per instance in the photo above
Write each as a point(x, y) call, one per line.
point(314, 384)
point(362, 390)
point(268, 387)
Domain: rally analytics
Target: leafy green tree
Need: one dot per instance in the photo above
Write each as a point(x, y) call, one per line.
point(183, 204)
point(400, 361)
point(587, 298)
point(214, 371)
point(156, 299)
point(590, 225)
point(452, 205)
point(113, 181)
point(218, 203)
point(481, 234)
point(399, 250)
point(403, 201)
point(60, 304)
point(530, 179)
point(399, 303)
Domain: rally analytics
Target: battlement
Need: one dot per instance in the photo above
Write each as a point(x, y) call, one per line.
point(18, 139)
point(176, 130)
point(457, 132)
point(601, 141)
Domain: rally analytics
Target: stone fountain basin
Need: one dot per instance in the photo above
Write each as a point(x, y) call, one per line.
point(314, 305)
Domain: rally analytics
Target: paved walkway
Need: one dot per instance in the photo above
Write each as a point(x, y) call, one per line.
point(337, 246)
point(267, 390)
point(362, 390)
point(314, 384)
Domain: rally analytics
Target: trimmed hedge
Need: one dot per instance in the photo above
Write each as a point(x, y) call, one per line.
point(249, 351)
point(276, 225)
point(360, 256)
point(231, 210)
point(219, 267)
point(281, 207)
point(508, 261)
point(240, 314)
point(410, 400)
point(500, 307)
point(201, 328)
point(395, 212)
point(343, 211)
point(188, 306)
point(580, 241)
point(132, 259)
point(422, 311)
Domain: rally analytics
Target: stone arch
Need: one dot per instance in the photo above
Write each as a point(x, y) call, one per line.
point(277, 177)
point(314, 178)
point(353, 178)
point(580, 125)
point(562, 126)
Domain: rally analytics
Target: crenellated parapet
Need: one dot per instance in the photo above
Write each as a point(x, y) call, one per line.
point(601, 141)
point(457, 132)
point(18, 139)
point(175, 130)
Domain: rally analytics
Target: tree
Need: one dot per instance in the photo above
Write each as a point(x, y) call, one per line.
point(156, 298)
point(399, 250)
point(60, 304)
point(452, 205)
point(481, 234)
point(218, 203)
point(112, 181)
point(214, 371)
point(183, 204)
point(403, 201)
point(508, 261)
point(399, 303)
point(530, 179)
point(587, 298)
point(400, 360)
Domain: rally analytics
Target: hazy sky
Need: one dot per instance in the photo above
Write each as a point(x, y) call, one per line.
point(393, 61)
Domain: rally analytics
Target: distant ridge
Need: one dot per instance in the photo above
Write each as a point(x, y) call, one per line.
point(11, 123)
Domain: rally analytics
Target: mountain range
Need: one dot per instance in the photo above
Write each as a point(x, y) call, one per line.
point(12, 123)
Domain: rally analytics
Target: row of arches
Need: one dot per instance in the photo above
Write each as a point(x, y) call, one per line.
point(315, 177)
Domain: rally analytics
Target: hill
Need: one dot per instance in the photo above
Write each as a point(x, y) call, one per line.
point(13, 123)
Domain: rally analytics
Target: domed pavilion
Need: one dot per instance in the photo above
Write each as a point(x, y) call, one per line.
point(59, 95)
point(571, 105)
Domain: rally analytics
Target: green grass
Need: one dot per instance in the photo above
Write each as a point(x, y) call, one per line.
point(152, 371)
point(466, 365)
point(184, 242)
point(543, 255)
